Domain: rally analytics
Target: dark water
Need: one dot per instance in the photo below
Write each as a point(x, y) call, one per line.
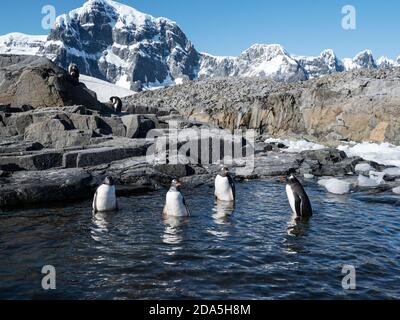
point(253, 254)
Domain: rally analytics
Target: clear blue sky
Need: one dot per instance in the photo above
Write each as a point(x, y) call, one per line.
point(227, 27)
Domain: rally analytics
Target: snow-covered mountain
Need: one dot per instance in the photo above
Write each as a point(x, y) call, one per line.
point(18, 43)
point(258, 61)
point(119, 44)
point(114, 42)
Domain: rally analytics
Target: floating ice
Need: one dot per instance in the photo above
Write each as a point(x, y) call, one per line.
point(363, 167)
point(374, 180)
point(392, 171)
point(396, 190)
point(308, 176)
point(384, 153)
point(296, 146)
point(335, 186)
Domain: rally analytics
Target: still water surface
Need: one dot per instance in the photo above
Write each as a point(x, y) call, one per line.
point(254, 253)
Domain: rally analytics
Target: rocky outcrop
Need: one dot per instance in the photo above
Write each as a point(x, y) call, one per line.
point(38, 82)
point(361, 105)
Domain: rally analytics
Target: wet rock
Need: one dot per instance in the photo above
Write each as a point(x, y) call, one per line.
point(176, 170)
point(44, 187)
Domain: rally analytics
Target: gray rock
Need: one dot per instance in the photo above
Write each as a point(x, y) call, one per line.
point(102, 155)
point(138, 126)
point(44, 187)
point(52, 85)
point(40, 161)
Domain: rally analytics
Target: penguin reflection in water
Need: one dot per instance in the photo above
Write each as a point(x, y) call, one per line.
point(175, 204)
point(298, 199)
point(105, 198)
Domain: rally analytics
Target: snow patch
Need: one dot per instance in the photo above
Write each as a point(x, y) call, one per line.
point(296, 146)
point(385, 153)
point(104, 89)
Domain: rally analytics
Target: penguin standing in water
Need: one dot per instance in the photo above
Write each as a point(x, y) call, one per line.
point(105, 198)
point(225, 186)
point(298, 199)
point(74, 71)
point(117, 104)
point(175, 205)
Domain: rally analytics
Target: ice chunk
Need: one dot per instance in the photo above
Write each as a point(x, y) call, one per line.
point(392, 171)
point(396, 190)
point(377, 176)
point(364, 181)
point(308, 176)
point(363, 167)
point(335, 186)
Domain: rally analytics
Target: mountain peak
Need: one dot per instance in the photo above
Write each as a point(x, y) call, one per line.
point(115, 42)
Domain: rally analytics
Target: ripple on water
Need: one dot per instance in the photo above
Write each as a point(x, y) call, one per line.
point(250, 251)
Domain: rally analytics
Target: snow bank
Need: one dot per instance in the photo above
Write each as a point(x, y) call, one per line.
point(104, 89)
point(385, 153)
point(296, 146)
point(335, 186)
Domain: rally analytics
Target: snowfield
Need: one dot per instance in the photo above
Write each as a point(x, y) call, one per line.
point(104, 89)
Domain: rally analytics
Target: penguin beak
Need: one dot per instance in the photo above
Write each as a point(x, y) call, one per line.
point(282, 179)
point(178, 184)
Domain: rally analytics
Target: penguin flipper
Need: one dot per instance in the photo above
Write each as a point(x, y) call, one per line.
point(186, 206)
point(95, 203)
point(305, 208)
point(233, 187)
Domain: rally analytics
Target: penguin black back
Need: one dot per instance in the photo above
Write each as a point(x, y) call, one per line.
point(73, 70)
point(301, 204)
point(117, 104)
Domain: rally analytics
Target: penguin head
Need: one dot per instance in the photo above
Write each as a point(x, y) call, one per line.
point(291, 178)
point(224, 171)
point(175, 184)
point(109, 181)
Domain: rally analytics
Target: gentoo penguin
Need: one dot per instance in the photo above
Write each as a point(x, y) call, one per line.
point(175, 205)
point(117, 104)
point(298, 199)
point(74, 71)
point(105, 198)
point(225, 186)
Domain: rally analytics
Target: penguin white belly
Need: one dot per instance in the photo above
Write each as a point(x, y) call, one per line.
point(223, 189)
point(106, 199)
point(174, 205)
point(290, 196)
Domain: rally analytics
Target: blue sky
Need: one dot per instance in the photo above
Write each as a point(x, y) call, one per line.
point(227, 27)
